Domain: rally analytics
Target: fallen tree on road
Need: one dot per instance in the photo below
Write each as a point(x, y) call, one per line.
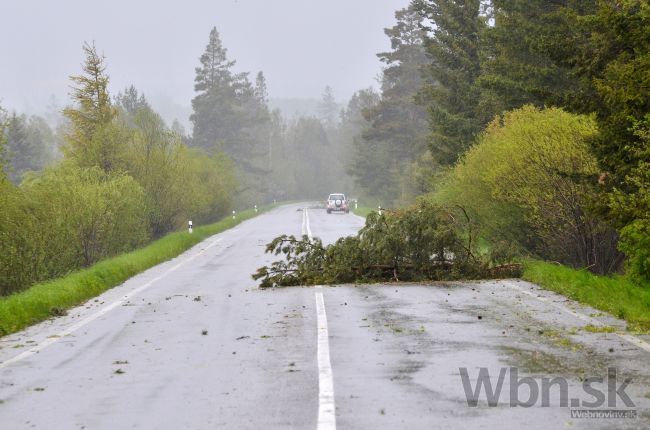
point(426, 241)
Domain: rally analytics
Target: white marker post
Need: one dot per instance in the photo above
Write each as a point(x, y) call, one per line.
point(255, 208)
point(189, 226)
point(379, 210)
point(356, 204)
point(233, 214)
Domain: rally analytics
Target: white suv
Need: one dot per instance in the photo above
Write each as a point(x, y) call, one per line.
point(337, 203)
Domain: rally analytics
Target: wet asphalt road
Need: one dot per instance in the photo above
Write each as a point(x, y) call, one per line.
point(193, 344)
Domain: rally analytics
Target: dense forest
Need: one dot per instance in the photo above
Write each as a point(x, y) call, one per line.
point(531, 116)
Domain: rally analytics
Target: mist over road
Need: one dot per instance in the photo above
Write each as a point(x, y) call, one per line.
point(193, 344)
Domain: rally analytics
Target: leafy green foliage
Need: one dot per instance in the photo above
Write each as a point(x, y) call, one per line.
point(635, 243)
point(100, 214)
point(179, 183)
point(635, 236)
point(21, 257)
point(65, 218)
point(423, 242)
point(532, 172)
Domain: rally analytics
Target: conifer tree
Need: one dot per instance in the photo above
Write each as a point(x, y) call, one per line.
point(91, 141)
point(328, 108)
point(214, 102)
point(261, 89)
point(131, 101)
point(29, 145)
point(394, 127)
point(452, 95)
point(230, 115)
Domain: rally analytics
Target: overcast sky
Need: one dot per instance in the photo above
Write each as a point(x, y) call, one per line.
point(301, 45)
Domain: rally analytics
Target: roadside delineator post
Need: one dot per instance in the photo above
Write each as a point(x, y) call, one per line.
point(356, 204)
point(379, 210)
point(189, 226)
point(233, 214)
point(255, 208)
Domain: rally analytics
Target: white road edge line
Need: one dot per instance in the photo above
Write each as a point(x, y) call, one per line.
point(103, 311)
point(326, 408)
point(639, 343)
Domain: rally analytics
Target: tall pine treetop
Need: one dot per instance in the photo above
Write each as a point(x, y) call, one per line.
point(89, 140)
point(215, 66)
point(261, 89)
point(90, 93)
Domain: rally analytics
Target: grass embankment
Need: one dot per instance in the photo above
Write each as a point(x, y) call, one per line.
point(51, 298)
point(615, 295)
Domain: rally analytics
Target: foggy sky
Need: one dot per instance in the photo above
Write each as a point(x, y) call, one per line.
point(301, 45)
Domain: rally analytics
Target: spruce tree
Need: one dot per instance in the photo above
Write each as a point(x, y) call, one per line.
point(612, 53)
point(397, 120)
point(29, 145)
point(451, 94)
point(131, 101)
point(214, 103)
point(231, 115)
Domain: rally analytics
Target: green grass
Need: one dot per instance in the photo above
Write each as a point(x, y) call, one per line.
point(363, 211)
point(617, 295)
point(51, 298)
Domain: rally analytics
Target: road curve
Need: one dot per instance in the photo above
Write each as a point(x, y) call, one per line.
point(193, 344)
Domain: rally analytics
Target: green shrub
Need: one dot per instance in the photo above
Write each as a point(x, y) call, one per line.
point(86, 215)
point(179, 183)
point(635, 243)
point(631, 206)
point(66, 218)
point(531, 180)
point(20, 241)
